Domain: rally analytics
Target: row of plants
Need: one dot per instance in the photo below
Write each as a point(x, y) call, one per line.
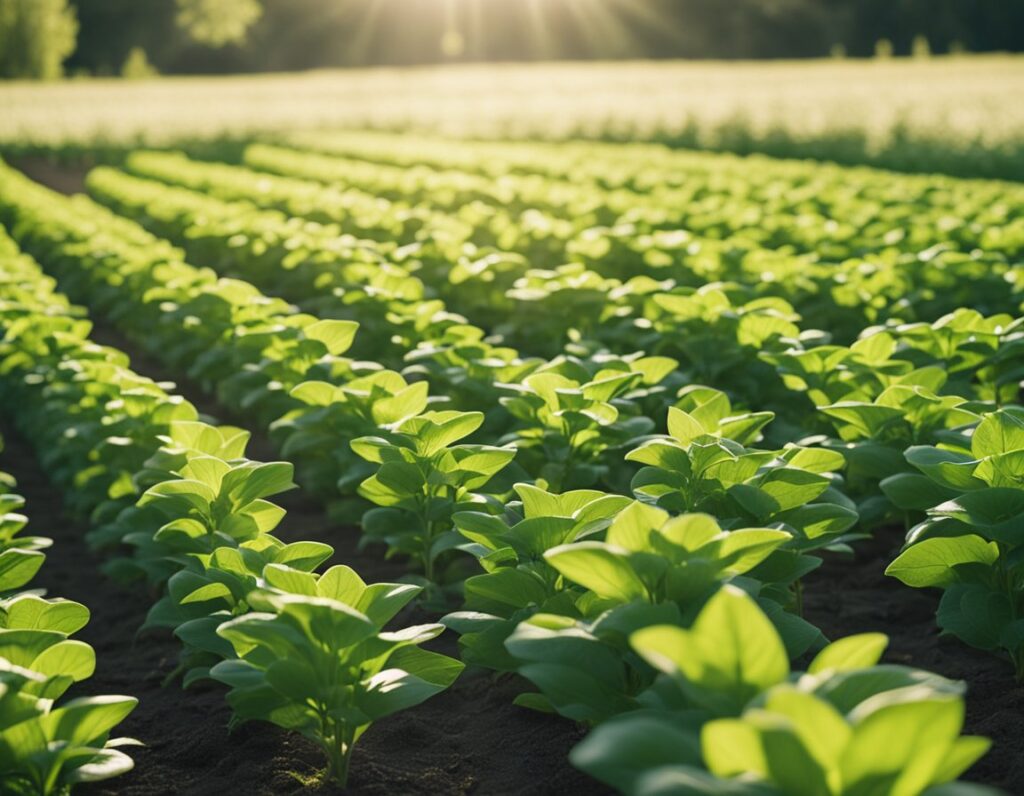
point(890, 390)
point(864, 454)
point(307, 650)
point(573, 418)
point(832, 212)
point(241, 600)
point(49, 741)
point(718, 334)
point(943, 337)
point(873, 428)
point(487, 275)
point(570, 420)
point(641, 167)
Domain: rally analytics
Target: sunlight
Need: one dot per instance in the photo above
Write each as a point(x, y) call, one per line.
point(597, 25)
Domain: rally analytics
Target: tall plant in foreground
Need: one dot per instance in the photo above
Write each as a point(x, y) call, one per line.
point(728, 717)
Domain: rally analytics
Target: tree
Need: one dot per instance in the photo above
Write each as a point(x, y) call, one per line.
point(218, 22)
point(35, 38)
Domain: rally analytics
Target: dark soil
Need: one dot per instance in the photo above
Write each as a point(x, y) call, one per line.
point(59, 177)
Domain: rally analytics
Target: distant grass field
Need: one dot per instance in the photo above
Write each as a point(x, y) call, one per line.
point(950, 114)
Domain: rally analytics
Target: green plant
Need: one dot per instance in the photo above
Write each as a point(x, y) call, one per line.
point(321, 664)
point(651, 569)
point(518, 580)
point(970, 545)
point(318, 433)
point(727, 716)
point(574, 423)
point(422, 480)
point(704, 465)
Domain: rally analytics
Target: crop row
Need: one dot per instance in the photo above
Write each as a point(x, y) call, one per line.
point(426, 485)
point(306, 650)
point(491, 278)
point(283, 635)
point(47, 742)
point(888, 392)
point(753, 349)
point(829, 212)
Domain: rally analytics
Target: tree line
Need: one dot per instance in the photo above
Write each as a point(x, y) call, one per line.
point(43, 38)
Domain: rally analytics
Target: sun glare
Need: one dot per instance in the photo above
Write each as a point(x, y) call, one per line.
point(598, 26)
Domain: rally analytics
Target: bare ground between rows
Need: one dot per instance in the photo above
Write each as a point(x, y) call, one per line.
point(64, 178)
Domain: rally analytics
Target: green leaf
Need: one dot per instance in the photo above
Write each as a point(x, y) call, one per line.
point(732, 650)
point(683, 427)
point(975, 614)
point(934, 562)
point(999, 432)
point(18, 567)
point(914, 492)
point(853, 652)
point(85, 720)
point(632, 527)
point(733, 747)
point(925, 727)
point(947, 468)
point(598, 567)
point(337, 336)
point(315, 393)
point(248, 482)
point(623, 749)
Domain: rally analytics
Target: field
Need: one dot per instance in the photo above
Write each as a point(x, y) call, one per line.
point(945, 113)
point(404, 462)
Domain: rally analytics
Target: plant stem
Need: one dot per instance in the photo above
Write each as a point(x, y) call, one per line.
point(338, 749)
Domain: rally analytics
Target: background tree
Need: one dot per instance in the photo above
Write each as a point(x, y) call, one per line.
point(35, 37)
point(218, 22)
point(216, 36)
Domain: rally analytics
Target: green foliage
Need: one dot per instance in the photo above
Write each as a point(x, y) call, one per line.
point(218, 22)
point(423, 478)
point(971, 544)
point(574, 420)
point(584, 572)
point(631, 542)
point(323, 665)
point(319, 432)
point(729, 718)
point(36, 36)
point(181, 495)
point(47, 743)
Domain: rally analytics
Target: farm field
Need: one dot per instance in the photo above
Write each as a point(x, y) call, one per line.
point(943, 113)
point(405, 463)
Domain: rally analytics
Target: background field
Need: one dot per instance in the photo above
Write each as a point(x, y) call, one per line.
point(952, 114)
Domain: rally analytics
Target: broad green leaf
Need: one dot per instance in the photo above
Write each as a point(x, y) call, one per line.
point(598, 567)
point(934, 562)
point(337, 336)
